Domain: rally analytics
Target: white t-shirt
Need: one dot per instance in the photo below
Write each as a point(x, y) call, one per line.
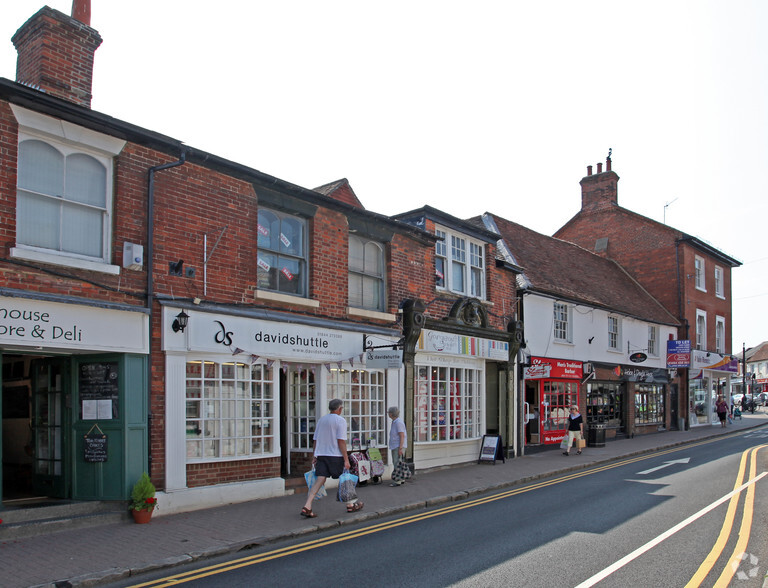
point(330, 428)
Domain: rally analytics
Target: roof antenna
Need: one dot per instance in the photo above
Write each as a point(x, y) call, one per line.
point(665, 210)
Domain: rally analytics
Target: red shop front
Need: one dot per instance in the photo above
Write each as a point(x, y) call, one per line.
point(551, 387)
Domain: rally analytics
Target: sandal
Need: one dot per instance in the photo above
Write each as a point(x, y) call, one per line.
point(355, 507)
point(307, 512)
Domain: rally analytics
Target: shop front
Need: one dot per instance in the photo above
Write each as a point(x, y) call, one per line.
point(709, 377)
point(551, 388)
point(74, 399)
point(244, 392)
point(460, 383)
point(626, 400)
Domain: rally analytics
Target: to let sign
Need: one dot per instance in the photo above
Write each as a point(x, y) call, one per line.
point(679, 353)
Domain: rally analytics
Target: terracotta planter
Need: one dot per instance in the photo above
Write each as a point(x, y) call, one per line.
point(141, 516)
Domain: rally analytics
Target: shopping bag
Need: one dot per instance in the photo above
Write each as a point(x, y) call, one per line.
point(347, 483)
point(402, 471)
point(564, 443)
point(311, 478)
point(580, 443)
point(377, 463)
point(355, 458)
point(363, 470)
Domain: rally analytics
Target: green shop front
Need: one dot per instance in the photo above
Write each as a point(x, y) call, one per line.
point(74, 399)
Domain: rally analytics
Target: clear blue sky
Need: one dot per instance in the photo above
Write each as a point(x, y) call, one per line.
point(495, 106)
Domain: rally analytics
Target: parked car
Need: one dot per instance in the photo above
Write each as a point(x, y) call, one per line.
point(762, 399)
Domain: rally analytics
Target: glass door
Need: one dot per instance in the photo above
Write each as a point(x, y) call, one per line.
point(50, 392)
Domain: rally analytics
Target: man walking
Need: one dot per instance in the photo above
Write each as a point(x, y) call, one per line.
point(329, 454)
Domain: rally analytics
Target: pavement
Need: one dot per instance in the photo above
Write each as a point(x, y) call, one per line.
point(115, 552)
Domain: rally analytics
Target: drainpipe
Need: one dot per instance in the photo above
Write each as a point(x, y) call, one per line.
point(150, 277)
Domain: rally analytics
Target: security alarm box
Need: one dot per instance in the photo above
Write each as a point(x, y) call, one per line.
point(133, 256)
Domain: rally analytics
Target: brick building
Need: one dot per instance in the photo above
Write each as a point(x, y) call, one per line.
point(167, 310)
point(690, 277)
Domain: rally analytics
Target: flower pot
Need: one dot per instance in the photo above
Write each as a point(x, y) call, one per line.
point(141, 516)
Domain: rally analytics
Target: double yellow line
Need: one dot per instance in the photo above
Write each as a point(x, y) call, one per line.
point(317, 543)
point(725, 532)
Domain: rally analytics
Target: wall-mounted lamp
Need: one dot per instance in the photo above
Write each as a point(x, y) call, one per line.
point(180, 322)
point(175, 267)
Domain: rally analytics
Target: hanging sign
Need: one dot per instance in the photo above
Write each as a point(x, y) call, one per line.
point(638, 357)
point(95, 445)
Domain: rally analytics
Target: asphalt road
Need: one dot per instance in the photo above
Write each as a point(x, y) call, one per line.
point(692, 516)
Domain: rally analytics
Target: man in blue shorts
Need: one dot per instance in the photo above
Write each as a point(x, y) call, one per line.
point(329, 454)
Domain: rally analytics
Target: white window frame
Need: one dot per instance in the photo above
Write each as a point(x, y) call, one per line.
point(463, 261)
point(700, 273)
point(720, 334)
point(562, 323)
point(614, 333)
point(701, 330)
point(449, 403)
point(653, 341)
point(69, 139)
point(719, 285)
point(366, 275)
point(363, 393)
point(238, 412)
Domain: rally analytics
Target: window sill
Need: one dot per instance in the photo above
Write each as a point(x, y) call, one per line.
point(288, 299)
point(371, 314)
point(71, 262)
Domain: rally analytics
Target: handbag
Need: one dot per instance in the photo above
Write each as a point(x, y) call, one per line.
point(347, 483)
point(311, 477)
point(402, 471)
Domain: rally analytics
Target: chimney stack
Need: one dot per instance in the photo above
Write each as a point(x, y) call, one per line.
point(600, 190)
point(56, 52)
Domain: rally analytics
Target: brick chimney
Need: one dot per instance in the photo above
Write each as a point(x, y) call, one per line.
point(601, 189)
point(56, 52)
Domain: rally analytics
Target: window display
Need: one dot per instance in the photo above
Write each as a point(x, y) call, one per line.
point(447, 403)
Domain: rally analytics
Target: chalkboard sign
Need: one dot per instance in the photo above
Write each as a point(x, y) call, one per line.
point(98, 390)
point(95, 447)
point(491, 449)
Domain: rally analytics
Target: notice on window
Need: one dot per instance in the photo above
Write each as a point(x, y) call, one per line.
point(97, 409)
point(98, 390)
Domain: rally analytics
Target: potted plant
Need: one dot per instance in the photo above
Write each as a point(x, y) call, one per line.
point(143, 500)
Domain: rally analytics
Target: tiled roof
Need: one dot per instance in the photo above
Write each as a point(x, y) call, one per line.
point(342, 191)
point(758, 353)
point(566, 271)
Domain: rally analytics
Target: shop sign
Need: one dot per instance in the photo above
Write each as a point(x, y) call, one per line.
point(638, 357)
point(707, 360)
point(646, 375)
point(547, 368)
point(218, 333)
point(379, 359)
point(442, 342)
point(39, 323)
point(679, 353)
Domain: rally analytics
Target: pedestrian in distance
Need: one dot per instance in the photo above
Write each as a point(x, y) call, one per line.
point(575, 429)
point(721, 406)
point(397, 439)
point(329, 454)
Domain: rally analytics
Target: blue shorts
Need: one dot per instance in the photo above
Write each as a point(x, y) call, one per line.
point(329, 466)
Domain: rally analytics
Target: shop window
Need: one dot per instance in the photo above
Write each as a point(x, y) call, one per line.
point(303, 407)
point(230, 411)
point(649, 404)
point(282, 255)
point(362, 392)
point(556, 400)
point(448, 402)
point(604, 404)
